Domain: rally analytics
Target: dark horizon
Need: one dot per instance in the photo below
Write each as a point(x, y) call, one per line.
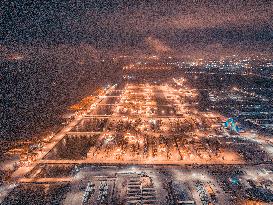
point(201, 28)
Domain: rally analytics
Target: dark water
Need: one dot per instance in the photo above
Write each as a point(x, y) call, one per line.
point(36, 93)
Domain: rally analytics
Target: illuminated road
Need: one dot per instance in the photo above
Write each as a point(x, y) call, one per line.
point(55, 140)
point(44, 180)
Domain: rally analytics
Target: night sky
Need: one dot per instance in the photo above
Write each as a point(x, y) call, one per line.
point(175, 27)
